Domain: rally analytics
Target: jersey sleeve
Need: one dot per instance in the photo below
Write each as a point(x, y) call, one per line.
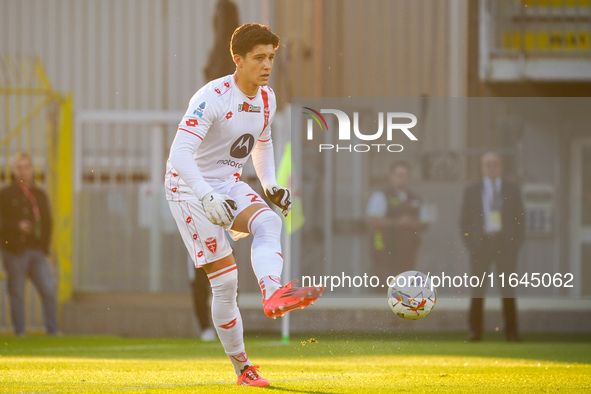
point(377, 206)
point(264, 163)
point(190, 133)
point(263, 154)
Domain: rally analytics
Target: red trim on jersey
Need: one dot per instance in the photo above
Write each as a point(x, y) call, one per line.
point(266, 109)
point(180, 128)
point(279, 254)
point(257, 213)
point(225, 86)
point(268, 139)
point(223, 272)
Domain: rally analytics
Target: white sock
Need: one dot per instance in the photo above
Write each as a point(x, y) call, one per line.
point(269, 285)
point(240, 362)
point(267, 260)
point(226, 316)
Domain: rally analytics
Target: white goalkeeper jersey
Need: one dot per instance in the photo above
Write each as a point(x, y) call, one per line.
point(220, 130)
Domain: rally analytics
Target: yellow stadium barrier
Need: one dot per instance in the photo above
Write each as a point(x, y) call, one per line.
point(547, 40)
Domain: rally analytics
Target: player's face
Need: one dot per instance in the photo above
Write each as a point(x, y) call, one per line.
point(256, 67)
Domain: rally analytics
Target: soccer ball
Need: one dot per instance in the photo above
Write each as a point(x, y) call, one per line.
point(411, 295)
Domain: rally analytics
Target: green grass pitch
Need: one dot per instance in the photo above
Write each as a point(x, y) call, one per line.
point(327, 363)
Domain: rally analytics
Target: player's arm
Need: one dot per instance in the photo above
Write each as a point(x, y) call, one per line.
point(264, 164)
point(190, 134)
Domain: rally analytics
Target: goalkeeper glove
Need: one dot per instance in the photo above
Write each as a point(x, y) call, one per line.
point(219, 208)
point(281, 197)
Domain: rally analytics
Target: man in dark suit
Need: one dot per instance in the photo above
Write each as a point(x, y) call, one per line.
point(492, 225)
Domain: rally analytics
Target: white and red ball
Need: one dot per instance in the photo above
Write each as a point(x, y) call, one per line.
point(411, 295)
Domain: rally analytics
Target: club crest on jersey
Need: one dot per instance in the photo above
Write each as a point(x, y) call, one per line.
point(199, 111)
point(248, 108)
point(211, 244)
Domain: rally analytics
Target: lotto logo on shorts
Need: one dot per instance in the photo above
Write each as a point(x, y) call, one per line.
point(189, 219)
point(195, 237)
point(211, 244)
point(200, 254)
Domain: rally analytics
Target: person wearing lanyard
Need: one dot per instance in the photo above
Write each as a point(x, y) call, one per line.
point(25, 234)
point(491, 225)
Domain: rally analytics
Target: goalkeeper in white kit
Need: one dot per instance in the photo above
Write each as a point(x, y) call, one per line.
point(228, 120)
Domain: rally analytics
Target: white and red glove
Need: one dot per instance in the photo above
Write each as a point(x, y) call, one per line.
point(219, 208)
point(281, 197)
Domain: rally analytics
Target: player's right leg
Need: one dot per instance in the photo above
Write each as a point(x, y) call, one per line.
point(223, 278)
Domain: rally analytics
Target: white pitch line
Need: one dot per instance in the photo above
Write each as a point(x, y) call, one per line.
point(166, 386)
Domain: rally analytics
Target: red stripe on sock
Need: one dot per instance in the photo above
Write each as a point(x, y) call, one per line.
point(223, 272)
point(254, 217)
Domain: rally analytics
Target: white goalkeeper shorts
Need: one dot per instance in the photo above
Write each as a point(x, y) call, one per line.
point(207, 242)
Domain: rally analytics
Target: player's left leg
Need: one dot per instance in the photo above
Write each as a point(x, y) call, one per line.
point(267, 261)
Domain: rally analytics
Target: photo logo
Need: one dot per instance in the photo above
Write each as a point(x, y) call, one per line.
point(395, 122)
point(316, 116)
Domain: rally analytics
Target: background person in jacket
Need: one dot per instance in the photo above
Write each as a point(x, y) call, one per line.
point(25, 234)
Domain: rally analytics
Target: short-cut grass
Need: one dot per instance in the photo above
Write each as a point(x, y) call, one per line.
point(325, 363)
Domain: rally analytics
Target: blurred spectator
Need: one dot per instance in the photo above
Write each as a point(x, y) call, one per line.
point(393, 215)
point(200, 291)
point(492, 227)
point(225, 21)
point(25, 233)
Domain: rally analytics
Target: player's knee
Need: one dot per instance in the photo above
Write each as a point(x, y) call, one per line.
point(266, 222)
point(224, 283)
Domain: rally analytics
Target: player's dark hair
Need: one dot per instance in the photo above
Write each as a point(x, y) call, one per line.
point(399, 163)
point(249, 35)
